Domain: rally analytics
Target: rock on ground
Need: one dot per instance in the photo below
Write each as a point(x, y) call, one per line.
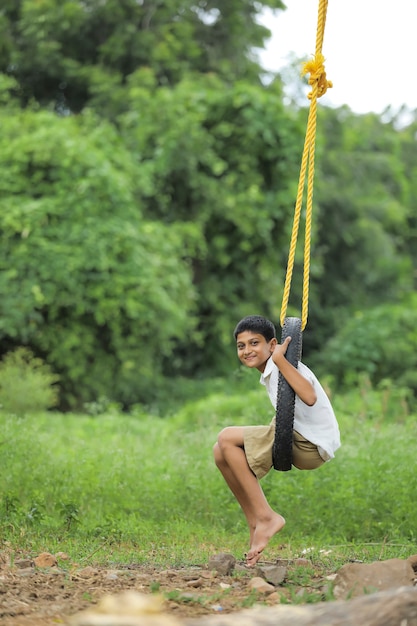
point(356, 579)
point(387, 608)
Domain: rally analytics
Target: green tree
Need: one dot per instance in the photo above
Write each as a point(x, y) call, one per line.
point(58, 50)
point(226, 160)
point(362, 210)
point(408, 132)
point(86, 282)
point(188, 187)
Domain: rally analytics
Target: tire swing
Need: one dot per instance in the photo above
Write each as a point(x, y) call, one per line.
point(294, 326)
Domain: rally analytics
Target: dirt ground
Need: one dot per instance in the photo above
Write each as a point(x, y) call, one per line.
point(35, 596)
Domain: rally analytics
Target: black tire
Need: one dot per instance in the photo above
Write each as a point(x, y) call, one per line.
point(282, 448)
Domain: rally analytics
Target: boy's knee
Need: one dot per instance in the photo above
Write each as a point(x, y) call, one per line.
point(231, 436)
point(217, 448)
point(217, 454)
point(223, 436)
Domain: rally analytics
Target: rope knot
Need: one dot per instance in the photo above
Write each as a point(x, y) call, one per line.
point(315, 68)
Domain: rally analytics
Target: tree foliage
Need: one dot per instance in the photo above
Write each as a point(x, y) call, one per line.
point(226, 160)
point(86, 281)
point(381, 342)
point(363, 208)
point(147, 186)
point(60, 50)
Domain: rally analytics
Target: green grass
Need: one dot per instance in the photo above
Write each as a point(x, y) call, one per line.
point(137, 488)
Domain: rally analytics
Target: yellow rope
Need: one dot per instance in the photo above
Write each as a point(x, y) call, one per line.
point(319, 84)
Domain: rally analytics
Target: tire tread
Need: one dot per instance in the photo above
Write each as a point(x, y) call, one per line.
point(284, 415)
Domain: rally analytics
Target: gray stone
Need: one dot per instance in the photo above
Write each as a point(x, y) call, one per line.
point(223, 563)
point(356, 579)
point(25, 572)
point(274, 574)
point(23, 563)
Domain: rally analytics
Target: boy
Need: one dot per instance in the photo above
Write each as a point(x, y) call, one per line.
point(243, 454)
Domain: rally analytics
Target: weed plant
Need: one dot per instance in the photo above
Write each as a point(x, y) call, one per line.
point(27, 384)
point(139, 488)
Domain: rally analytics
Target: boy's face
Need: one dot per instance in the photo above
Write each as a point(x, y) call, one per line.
point(253, 350)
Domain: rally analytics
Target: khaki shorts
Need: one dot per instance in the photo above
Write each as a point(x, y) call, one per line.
point(259, 440)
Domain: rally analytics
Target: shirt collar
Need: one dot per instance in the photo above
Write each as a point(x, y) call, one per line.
point(268, 369)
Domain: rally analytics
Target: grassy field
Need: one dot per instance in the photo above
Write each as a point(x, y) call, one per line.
point(123, 488)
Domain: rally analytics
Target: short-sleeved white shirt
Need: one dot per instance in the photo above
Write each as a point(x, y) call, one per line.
point(316, 423)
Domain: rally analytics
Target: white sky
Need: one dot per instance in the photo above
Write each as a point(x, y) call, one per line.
point(370, 49)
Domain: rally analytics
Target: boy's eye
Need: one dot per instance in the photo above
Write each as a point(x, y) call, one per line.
point(254, 342)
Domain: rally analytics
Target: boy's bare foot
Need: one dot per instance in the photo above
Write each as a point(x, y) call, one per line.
point(263, 533)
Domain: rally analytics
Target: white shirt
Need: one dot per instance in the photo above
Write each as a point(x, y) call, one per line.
point(316, 423)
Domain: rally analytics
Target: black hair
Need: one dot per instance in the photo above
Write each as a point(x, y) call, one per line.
point(256, 324)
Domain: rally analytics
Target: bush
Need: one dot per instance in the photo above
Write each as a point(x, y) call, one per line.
point(27, 384)
point(381, 342)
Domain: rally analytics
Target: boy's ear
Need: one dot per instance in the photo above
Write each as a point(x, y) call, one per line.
point(272, 344)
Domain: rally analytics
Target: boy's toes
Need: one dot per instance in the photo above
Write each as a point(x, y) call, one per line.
point(252, 558)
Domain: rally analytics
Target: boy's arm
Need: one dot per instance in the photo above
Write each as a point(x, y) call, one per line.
point(302, 387)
